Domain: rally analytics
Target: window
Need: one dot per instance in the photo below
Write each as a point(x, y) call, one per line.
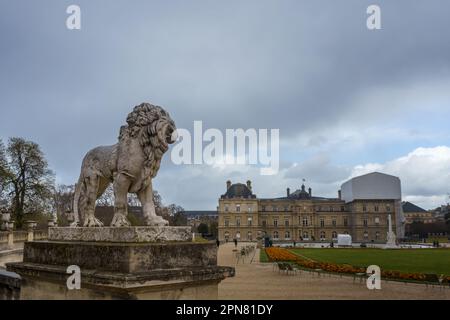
point(238, 208)
point(364, 208)
point(345, 221)
point(331, 209)
point(275, 234)
point(263, 208)
point(366, 235)
point(305, 235)
point(377, 220)
point(274, 208)
point(286, 223)
point(226, 208)
point(286, 208)
point(275, 223)
point(238, 222)
point(249, 221)
point(333, 222)
point(227, 222)
point(249, 209)
point(376, 208)
point(334, 235)
point(305, 221)
point(342, 208)
point(249, 236)
point(365, 222)
point(322, 222)
point(287, 235)
point(264, 223)
point(322, 235)
point(377, 235)
point(388, 208)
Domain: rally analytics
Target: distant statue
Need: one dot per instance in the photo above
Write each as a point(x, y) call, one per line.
point(130, 165)
point(391, 238)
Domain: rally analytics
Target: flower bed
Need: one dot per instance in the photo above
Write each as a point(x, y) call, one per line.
point(276, 254)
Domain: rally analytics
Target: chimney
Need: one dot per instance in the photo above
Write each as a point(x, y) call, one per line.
point(228, 184)
point(249, 185)
point(288, 192)
point(339, 194)
point(310, 191)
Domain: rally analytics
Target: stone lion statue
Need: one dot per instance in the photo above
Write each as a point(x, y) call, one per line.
point(130, 165)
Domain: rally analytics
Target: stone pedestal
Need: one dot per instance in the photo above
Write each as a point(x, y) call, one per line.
point(121, 263)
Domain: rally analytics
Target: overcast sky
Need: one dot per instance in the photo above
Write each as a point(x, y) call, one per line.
point(347, 100)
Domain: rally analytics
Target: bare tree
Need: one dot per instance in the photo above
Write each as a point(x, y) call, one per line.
point(63, 199)
point(3, 177)
point(28, 180)
point(107, 198)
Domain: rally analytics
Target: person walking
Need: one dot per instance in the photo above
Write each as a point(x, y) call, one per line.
point(217, 243)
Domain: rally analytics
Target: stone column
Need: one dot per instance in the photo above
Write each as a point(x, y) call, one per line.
point(10, 229)
point(52, 223)
point(5, 220)
point(31, 225)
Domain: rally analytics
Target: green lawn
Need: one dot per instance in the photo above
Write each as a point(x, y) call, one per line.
point(263, 256)
point(435, 261)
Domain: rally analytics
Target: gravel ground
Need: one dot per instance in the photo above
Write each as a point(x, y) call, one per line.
point(259, 281)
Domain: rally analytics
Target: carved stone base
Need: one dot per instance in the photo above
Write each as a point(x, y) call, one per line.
point(121, 257)
point(121, 234)
point(49, 283)
point(111, 270)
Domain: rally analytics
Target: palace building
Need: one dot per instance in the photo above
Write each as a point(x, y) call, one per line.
point(361, 210)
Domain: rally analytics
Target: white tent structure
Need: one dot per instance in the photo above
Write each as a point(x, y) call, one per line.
point(344, 240)
point(376, 185)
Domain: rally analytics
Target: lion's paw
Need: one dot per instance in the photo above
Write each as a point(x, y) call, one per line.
point(119, 220)
point(92, 222)
point(157, 221)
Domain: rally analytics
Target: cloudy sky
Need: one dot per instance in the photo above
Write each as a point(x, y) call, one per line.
point(347, 100)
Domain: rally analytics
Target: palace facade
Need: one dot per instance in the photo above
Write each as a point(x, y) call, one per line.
point(302, 216)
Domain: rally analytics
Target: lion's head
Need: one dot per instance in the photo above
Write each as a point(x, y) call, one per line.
point(155, 130)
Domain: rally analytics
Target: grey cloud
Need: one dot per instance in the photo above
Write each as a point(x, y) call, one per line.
point(288, 64)
point(320, 169)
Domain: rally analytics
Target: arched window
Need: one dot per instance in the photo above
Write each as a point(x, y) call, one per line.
point(334, 235)
point(366, 235)
point(249, 236)
point(305, 235)
point(287, 235)
point(275, 234)
point(322, 235)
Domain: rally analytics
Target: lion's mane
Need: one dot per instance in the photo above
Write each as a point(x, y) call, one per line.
point(144, 124)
